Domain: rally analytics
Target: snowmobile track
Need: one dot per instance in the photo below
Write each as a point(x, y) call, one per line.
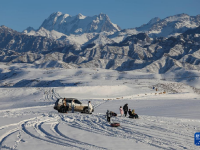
point(46, 127)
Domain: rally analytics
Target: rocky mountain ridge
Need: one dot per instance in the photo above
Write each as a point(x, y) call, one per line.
point(79, 24)
point(156, 27)
point(81, 29)
point(139, 48)
point(138, 51)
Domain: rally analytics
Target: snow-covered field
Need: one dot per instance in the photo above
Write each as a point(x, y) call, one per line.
point(28, 120)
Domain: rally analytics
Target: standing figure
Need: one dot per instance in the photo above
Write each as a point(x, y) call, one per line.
point(66, 106)
point(108, 115)
point(125, 108)
point(72, 105)
point(121, 111)
point(89, 107)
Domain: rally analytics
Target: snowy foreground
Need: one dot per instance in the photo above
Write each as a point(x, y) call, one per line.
point(28, 120)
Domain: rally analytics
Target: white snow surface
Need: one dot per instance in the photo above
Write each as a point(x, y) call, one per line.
point(28, 120)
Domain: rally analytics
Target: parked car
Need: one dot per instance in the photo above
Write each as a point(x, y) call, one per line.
point(78, 105)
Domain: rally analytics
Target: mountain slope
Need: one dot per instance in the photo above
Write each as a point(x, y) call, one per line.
point(157, 55)
point(171, 25)
point(124, 50)
point(19, 42)
point(156, 27)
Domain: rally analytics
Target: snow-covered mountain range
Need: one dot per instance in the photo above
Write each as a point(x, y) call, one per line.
point(78, 24)
point(156, 27)
point(80, 29)
point(78, 41)
point(171, 25)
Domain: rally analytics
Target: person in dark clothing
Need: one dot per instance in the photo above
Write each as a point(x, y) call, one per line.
point(108, 114)
point(125, 108)
point(132, 114)
point(113, 114)
point(65, 106)
point(136, 116)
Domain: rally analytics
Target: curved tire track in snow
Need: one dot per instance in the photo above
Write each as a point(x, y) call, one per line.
point(155, 136)
point(148, 130)
point(86, 145)
point(36, 130)
point(6, 135)
point(152, 134)
point(44, 136)
point(11, 132)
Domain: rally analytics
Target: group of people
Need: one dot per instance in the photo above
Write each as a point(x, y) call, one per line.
point(66, 106)
point(123, 111)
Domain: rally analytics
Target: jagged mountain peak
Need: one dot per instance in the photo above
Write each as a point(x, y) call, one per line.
point(29, 29)
point(177, 17)
point(4, 28)
point(58, 13)
point(79, 24)
point(182, 15)
point(103, 15)
point(80, 16)
point(170, 26)
point(154, 20)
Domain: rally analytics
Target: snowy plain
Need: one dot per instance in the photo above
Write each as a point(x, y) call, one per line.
point(28, 120)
